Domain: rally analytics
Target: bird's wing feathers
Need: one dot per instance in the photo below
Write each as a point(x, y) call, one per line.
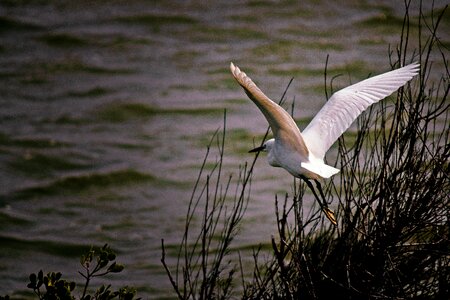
point(347, 104)
point(283, 126)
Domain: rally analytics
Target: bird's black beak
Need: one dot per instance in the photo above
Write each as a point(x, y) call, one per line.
point(257, 149)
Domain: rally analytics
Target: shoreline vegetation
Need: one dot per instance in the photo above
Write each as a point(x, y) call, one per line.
point(393, 205)
point(392, 197)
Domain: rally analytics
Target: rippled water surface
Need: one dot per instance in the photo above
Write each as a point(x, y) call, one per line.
point(107, 108)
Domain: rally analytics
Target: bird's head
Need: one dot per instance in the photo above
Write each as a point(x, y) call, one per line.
point(266, 147)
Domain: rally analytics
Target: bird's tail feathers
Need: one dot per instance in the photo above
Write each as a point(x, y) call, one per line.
point(323, 170)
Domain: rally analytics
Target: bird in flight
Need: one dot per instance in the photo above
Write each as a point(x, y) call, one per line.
point(302, 153)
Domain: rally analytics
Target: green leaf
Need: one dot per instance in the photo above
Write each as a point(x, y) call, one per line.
point(59, 284)
point(111, 256)
point(46, 281)
point(33, 278)
point(58, 276)
point(115, 268)
point(102, 263)
point(41, 275)
point(127, 293)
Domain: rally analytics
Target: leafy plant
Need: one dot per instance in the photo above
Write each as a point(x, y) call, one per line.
point(96, 263)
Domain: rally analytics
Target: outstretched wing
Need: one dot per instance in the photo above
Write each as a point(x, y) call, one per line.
point(284, 128)
point(347, 104)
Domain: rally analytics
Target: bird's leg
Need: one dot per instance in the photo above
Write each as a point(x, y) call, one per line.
point(328, 212)
point(311, 187)
point(323, 204)
point(319, 187)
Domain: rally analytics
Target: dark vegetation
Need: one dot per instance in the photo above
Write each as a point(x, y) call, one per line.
point(392, 240)
point(95, 263)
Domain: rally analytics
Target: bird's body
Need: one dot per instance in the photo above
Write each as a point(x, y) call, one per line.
point(302, 153)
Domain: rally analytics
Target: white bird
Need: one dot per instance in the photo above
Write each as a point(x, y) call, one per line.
point(302, 153)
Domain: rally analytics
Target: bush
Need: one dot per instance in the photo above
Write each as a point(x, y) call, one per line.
point(96, 263)
point(392, 240)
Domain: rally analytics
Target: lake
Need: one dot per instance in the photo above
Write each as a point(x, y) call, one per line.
point(107, 108)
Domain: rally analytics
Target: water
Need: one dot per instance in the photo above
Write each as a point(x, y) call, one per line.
point(107, 107)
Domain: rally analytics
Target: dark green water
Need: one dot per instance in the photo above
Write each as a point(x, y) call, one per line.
point(106, 109)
